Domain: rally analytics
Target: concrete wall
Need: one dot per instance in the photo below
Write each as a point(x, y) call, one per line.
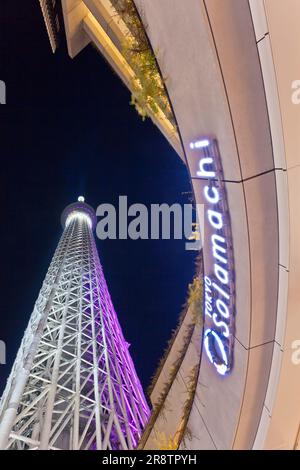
point(173, 355)
point(229, 68)
point(96, 22)
point(277, 34)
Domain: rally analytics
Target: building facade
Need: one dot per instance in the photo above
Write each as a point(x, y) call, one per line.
point(231, 71)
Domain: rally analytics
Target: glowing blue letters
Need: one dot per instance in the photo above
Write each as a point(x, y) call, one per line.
point(199, 144)
point(219, 292)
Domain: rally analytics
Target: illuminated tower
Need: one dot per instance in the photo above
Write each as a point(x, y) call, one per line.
point(73, 384)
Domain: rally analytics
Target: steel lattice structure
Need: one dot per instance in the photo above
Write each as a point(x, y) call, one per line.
point(73, 384)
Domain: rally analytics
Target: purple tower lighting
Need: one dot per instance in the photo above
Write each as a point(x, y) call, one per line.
point(73, 384)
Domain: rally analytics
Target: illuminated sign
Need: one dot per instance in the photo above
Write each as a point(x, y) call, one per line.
point(219, 291)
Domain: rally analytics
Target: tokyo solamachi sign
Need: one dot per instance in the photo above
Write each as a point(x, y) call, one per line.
point(219, 286)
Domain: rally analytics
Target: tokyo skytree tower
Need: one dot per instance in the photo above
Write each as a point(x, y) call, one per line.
point(73, 384)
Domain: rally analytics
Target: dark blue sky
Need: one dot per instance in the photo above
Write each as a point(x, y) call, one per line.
point(68, 129)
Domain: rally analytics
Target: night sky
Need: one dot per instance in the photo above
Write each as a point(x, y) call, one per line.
point(68, 129)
